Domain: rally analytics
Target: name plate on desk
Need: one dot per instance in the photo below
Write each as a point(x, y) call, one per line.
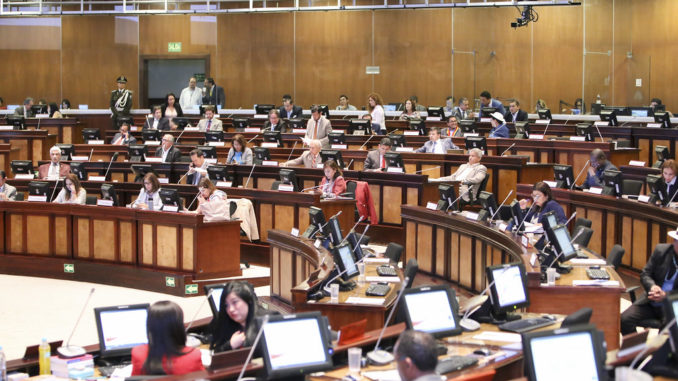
point(170, 208)
point(24, 176)
point(376, 260)
point(404, 149)
point(654, 125)
point(269, 163)
point(269, 144)
point(298, 130)
point(79, 158)
point(503, 226)
point(211, 161)
point(226, 184)
point(339, 131)
point(542, 121)
point(533, 259)
point(260, 116)
point(191, 128)
point(471, 216)
point(95, 142)
point(295, 232)
point(319, 165)
point(637, 163)
point(155, 159)
point(152, 142)
point(37, 198)
point(601, 123)
point(252, 129)
point(470, 134)
point(536, 137)
point(42, 116)
point(525, 241)
point(395, 170)
point(135, 128)
point(104, 202)
point(388, 279)
point(552, 184)
point(643, 198)
point(215, 144)
point(163, 180)
point(339, 146)
point(6, 128)
point(431, 205)
point(595, 190)
point(286, 187)
point(410, 133)
point(433, 119)
point(578, 138)
point(485, 120)
point(96, 178)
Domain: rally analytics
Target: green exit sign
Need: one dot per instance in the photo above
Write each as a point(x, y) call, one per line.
point(69, 268)
point(174, 47)
point(169, 281)
point(191, 289)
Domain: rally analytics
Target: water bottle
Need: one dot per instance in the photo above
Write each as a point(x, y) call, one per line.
point(598, 100)
point(44, 357)
point(3, 366)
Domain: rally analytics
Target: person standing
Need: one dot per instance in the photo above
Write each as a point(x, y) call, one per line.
point(191, 96)
point(213, 94)
point(318, 128)
point(121, 101)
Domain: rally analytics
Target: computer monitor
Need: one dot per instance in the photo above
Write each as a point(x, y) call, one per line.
point(316, 221)
point(545, 114)
point(517, 216)
point(79, 170)
point(488, 202)
point(549, 220)
point(609, 116)
point(394, 160)
point(39, 188)
point(324, 110)
point(150, 135)
point(263, 109)
point(296, 123)
point(671, 312)
point(214, 136)
point(241, 123)
point(476, 142)
point(596, 108)
point(485, 112)
point(17, 121)
point(662, 155)
point(343, 257)
point(562, 242)
point(67, 151)
point(468, 126)
point(585, 130)
point(39, 109)
point(327, 154)
point(664, 118)
point(181, 122)
point(90, 134)
point(436, 112)
point(261, 154)
point(418, 125)
point(140, 170)
point(522, 130)
point(137, 152)
point(447, 195)
point(334, 229)
point(353, 238)
point(204, 108)
point(657, 187)
point(289, 177)
point(121, 328)
point(273, 137)
point(215, 298)
point(431, 309)
point(22, 166)
point(397, 140)
point(563, 175)
point(397, 106)
point(508, 290)
point(358, 126)
point(294, 345)
point(337, 138)
point(218, 173)
point(641, 112)
point(572, 353)
point(170, 197)
point(108, 193)
point(209, 152)
point(612, 181)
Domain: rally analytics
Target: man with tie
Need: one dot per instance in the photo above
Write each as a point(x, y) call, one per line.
point(157, 122)
point(274, 123)
point(213, 94)
point(515, 114)
point(487, 101)
point(375, 160)
point(123, 137)
point(191, 96)
point(7, 192)
point(669, 172)
point(318, 127)
point(55, 169)
point(210, 123)
point(167, 151)
point(309, 159)
point(462, 111)
point(121, 101)
point(198, 167)
point(435, 144)
point(25, 110)
point(289, 110)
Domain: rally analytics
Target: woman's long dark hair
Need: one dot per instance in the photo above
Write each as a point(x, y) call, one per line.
point(52, 109)
point(546, 190)
point(166, 336)
point(223, 327)
point(337, 171)
point(177, 106)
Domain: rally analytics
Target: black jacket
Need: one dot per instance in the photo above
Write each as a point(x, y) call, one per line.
point(173, 155)
point(296, 112)
point(657, 267)
point(522, 116)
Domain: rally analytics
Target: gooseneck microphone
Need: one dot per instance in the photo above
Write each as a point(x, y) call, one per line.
point(264, 321)
point(68, 350)
point(380, 356)
point(113, 158)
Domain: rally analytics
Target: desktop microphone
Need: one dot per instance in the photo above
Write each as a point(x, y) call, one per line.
point(534, 202)
point(255, 136)
point(547, 127)
point(368, 139)
point(176, 141)
point(290, 155)
point(380, 356)
point(455, 201)
point(570, 219)
point(55, 188)
point(308, 189)
point(113, 158)
point(599, 134)
point(90, 154)
point(239, 108)
point(429, 169)
point(264, 321)
point(579, 174)
point(500, 205)
point(194, 198)
point(69, 351)
point(470, 324)
point(250, 176)
point(506, 150)
point(185, 174)
point(559, 255)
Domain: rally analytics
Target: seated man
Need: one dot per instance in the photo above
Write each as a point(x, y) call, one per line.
point(499, 129)
point(452, 129)
point(435, 144)
point(157, 122)
point(123, 137)
point(375, 159)
point(470, 175)
point(463, 111)
point(25, 110)
point(210, 123)
point(659, 277)
point(274, 123)
point(289, 110)
point(7, 192)
point(416, 356)
point(515, 114)
point(318, 127)
point(167, 151)
point(56, 169)
point(198, 168)
point(487, 101)
point(309, 159)
point(598, 165)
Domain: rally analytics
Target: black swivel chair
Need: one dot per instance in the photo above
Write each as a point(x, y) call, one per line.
point(350, 189)
point(473, 198)
point(19, 196)
point(615, 257)
point(393, 252)
point(583, 316)
point(632, 187)
point(411, 269)
point(582, 239)
point(582, 222)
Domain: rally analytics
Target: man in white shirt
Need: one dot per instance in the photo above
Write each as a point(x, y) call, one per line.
point(7, 192)
point(198, 167)
point(55, 169)
point(190, 97)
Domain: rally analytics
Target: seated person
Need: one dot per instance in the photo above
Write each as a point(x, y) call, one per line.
point(53, 110)
point(158, 122)
point(544, 203)
point(344, 105)
point(318, 127)
point(452, 129)
point(56, 169)
point(435, 144)
point(309, 159)
point(210, 123)
point(149, 198)
point(375, 159)
point(289, 110)
point(7, 192)
point(167, 151)
point(599, 164)
point(123, 137)
point(410, 112)
point(499, 129)
point(197, 170)
point(416, 356)
point(239, 153)
point(171, 109)
point(235, 326)
point(669, 172)
point(333, 183)
point(72, 192)
point(166, 351)
point(212, 203)
point(470, 175)
point(274, 123)
point(658, 278)
point(515, 114)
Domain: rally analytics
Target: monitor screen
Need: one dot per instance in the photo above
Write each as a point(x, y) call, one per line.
point(22, 166)
point(343, 257)
point(359, 127)
point(641, 113)
point(432, 309)
point(393, 159)
point(613, 183)
point(38, 188)
point(217, 173)
point(121, 328)
point(397, 140)
point(170, 197)
point(564, 176)
point(273, 137)
point(215, 298)
point(214, 136)
point(389, 107)
point(241, 122)
point(509, 291)
point(560, 237)
point(108, 193)
point(335, 230)
point(353, 239)
point(488, 202)
point(295, 345)
point(549, 220)
point(332, 155)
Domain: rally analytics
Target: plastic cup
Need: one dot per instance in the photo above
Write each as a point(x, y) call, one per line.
point(354, 355)
point(551, 276)
point(334, 293)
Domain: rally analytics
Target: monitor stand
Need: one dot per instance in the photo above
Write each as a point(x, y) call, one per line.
point(485, 314)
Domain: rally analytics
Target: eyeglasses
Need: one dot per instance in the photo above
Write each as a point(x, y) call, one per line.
point(148, 183)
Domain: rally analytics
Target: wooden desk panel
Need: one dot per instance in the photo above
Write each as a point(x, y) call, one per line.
point(67, 130)
point(33, 144)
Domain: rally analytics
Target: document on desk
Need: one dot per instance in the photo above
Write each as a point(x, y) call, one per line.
point(533, 228)
point(370, 301)
point(383, 375)
point(593, 282)
point(376, 260)
point(587, 261)
point(388, 279)
point(499, 336)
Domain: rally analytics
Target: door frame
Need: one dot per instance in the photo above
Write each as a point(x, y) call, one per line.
point(143, 71)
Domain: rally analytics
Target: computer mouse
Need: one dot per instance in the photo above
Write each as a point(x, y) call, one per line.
point(482, 352)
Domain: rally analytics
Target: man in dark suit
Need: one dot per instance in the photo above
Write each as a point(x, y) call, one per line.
point(213, 94)
point(463, 111)
point(55, 169)
point(669, 175)
point(375, 159)
point(157, 122)
point(486, 100)
point(274, 123)
point(123, 136)
point(25, 110)
point(167, 151)
point(659, 277)
point(121, 101)
point(288, 110)
point(515, 114)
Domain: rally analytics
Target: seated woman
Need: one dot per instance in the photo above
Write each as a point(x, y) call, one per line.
point(239, 153)
point(333, 183)
point(235, 325)
point(72, 192)
point(544, 203)
point(212, 203)
point(669, 172)
point(171, 109)
point(149, 198)
point(166, 351)
point(53, 110)
point(409, 113)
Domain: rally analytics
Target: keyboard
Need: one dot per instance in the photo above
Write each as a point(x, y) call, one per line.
point(525, 325)
point(378, 290)
point(450, 364)
point(386, 271)
point(597, 274)
point(107, 371)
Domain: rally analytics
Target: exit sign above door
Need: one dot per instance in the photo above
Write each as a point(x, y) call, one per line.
point(174, 47)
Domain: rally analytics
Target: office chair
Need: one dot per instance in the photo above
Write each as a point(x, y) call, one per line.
point(583, 316)
point(632, 187)
point(582, 222)
point(584, 238)
point(393, 252)
point(350, 189)
point(473, 198)
point(91, 200)
point(615, 256)
point(411, 269)
point(19, 196)
point(232, 207)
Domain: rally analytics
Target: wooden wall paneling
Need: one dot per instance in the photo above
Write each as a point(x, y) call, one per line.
point(197, 34)
point(627, 242)
point(127, 243)
point(425, 248)
point(641, 235)
point(62, 231)
point(441, 249)
point(610, 238)
point(596, 216)
point(167, 248)
point(83, 237)
point(391, 204)
point(275, 268)
point(455, 249)
point(36, 243)
point(410, 241)
point(15, 234)
point(147, 244)
point(284, 217)
point(465, 264)
point(188, 243)
point(104, 239)
point(265, 224)
point(376, 197)
point(286, 280)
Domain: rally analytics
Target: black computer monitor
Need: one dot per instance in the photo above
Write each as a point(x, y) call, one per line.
point(641, 112)
point(79, 170)
point(657, 188)
point(17, 121)
point(39, 188)
point(219, 173)
point(181, 122)
point(662, 155)
point(296, 123)
point(108, 193)
point(324, 110)
point(562, 242)
point(436, 112)
point(609, 116)
point(210, 152)
point(508, 290)
point(545, 114)
point(550, 355)
point(261, 154)
point(263, 109)
point(431, 309)
point(334, 229)
point(335, 155)
point(596, 108)
point(294, 345)
point(90, 134)
point(664, 118)
point(204, 108)
point(564, 176)
point(241, 123)
point(447, 195)
point(273, 137)
point(289, 177)
point(358, 126)
point(140, 170)
point(549, 220)
point(343, 257)
point(39, 109)
point(476, 142)
point(170, 197)
point(418, 125)
point(488, 202)
point(522, 130)
point(586, 130)
point(137, 152)
point(468, 126)
point(353, 239)
point(517, 216)
point(150, 135)
point(121, 328)
point(316, 221)
point(22, 166)
point(397, 140)
point(671, 312)
point(67, 151)
point(394, 160)
point(214, 136)
point(612, 181)
point(215, 297)
point(337, 138)
point(487, 111)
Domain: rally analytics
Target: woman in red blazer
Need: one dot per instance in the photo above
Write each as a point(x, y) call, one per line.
point(333, 183)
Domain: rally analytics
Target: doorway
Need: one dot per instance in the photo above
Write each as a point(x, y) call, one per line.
point(169, 74)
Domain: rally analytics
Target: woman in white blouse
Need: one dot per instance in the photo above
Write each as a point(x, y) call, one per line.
point(212, 203)
point(149, 197)
point(375, 103)
point(72, 192)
